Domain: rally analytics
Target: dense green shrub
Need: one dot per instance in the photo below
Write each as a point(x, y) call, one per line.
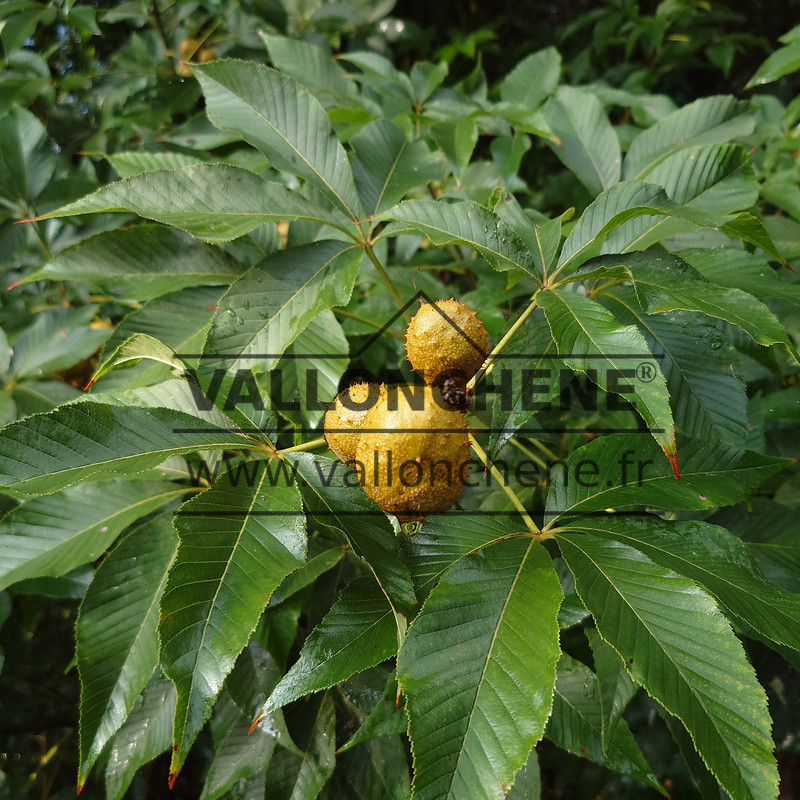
point(210, 224)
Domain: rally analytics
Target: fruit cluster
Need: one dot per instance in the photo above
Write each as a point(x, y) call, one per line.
point(410, 444)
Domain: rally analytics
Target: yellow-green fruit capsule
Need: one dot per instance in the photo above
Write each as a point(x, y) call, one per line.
point(414, 452)
point(346, 417)
point(446, 339)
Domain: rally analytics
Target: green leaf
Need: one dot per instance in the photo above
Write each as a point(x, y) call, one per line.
point(387, 718)
point(478, 671)
point(681, 649)
point(57, 339)
point(240, 754)
point(542, 237)
point(332, 494)
point(238, 541)
point(27, 160)
point(135, 162)
point(313, 367)
point(357, 633)
point(46, 452)
point(708, 399)
point(386, 165)
point(145, 734)
point(267, 308)
point(301, 777)
point(526, 368)
point(717, 560)
point(312, 66)
point(709, 120)
point(588, 144)
point(533, 79)
point(212, 202)
point(377, 770)
point(446, 538)
point(138, 347)
point(631, 471)
point(665, 282)
point(714, 179)
point(622, 202)
point(115, 634)
point(49, 536)
point(141, 262)
point(577, 721)
point(593, 339)
point(467, 223)
point(770, 532)
point(738, 269)
point(528, 781)
point(615, 687)
point(287, 123)
point(783, 61)
point(180, 320)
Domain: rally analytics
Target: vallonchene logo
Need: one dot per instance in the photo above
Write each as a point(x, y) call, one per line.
point(407, 443)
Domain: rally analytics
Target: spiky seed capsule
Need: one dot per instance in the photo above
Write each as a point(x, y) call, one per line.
point(415, 453)
point(446, 339)
point(348, 413)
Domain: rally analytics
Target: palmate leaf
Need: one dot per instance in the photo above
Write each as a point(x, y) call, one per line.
point(49, 536)
point(576, 724)
point(709, 120)
point(714, 558)
point(264, 311)
point(283, 120)
point(665, 282)
point(678, 646)
point(46, 452)
point(626, 470)
point(331, 493)
point(212, 202)
point(588, 145)
point(467, 223)
point(140, 263)
point(478, 671)
point(115, 634)
point(145, 734)
point(237, 543)
point(386, 165)
point(708, 399)
point(591, 339)
point(357, 633)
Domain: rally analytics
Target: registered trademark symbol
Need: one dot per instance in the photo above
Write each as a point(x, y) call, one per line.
point(645, 372)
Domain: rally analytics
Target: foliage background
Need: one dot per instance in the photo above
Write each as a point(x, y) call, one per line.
point(103, 77)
